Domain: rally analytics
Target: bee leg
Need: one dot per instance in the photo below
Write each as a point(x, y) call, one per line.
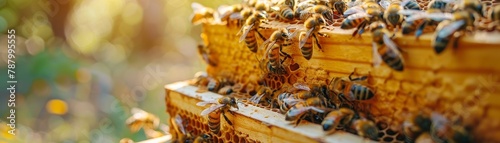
point(225, 118)
point(458, 36)
point(317, 42)
point(357, 29)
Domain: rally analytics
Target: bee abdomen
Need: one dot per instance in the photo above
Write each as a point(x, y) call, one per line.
point(351, 23)
point(412, 6)
point(393, 61)
point(362, 92)
point(287, 14)
point(440, 44)
point(214, 122)
point(251, 41)
point(307, 49)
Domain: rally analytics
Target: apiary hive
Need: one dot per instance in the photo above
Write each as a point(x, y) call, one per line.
point(460, 83)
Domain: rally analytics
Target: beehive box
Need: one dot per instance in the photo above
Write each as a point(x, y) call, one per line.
point(461, 83)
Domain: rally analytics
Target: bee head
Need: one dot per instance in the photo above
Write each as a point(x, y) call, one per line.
point(232, 102)
point(206, 136)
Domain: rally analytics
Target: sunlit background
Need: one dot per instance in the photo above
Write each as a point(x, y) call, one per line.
point(82, 65)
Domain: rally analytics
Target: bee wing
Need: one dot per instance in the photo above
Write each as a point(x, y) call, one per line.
point(203, 103)
point(197, 7)
point(291, 100)
point(211, 109)
point(235, 16)
point(377, 60)
point(353, 10)
point(266, 43)
point(245, 32)
point(449, 29)
point(440, 16)
point(314, 108)
point(301, 86)
point(135, 111)
point(389, 43)
point(384, 3)
point(303, 40)
point(410, 11)
point(439, 122)
point(179, 123)
point(275, 8)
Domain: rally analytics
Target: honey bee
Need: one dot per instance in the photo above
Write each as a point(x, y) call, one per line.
point(341, 117)
point(323, 10)
point(391, 15)
point(361, 16)
point(274, 45)
point(350, 89)
point(142, 119)
point(385, 49)
point(446, 30)
point(262, 6)
point(366, 128)
point(300, 109)
point(298, 11)
point(221, 105)
point(494, 16)
point(263, 92)
point(285, 12)
point(474, 6)
point(299, 92)
point(231, 13)
point(181, 134)
point(312, 26)
point(201, 14)
point(251, 27)
point(415, 126)
point(207, 55)
point(444, 131)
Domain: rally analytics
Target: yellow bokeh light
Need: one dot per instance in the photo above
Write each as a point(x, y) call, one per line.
point(57, 107)
point(132, 13)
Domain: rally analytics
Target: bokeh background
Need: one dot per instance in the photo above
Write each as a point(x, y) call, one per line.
point(82, 65)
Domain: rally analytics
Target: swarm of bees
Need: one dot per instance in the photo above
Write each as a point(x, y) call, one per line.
point(335, 103)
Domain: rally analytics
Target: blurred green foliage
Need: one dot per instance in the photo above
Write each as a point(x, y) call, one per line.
point(101, 58)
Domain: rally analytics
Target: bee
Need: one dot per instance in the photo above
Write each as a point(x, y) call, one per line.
point(350, 89)
point(221, 105)
point(215, 84)
point(391, 15)
point(298, 10)
point(142, 119)
point(474, 6)
point(312, 26)
point(366, 128)
point(325, 12)
point(338, 5)
point(225, 90)
point(494, 16)
point(285, 12)
point(444, 131)
point(361, 16)
point(201, 14)
point(230, 13)
point(250, 28)
point(415, 126)
point(341, 117)
point(300, 109)
point(274, 48)
point(180, 135)
point(410, 4)
point(385, 49)
point(207, 55)
point(263, 6)
point(446, 30)
point(263, 92)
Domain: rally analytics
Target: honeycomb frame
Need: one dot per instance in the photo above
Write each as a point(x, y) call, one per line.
point(250, 123)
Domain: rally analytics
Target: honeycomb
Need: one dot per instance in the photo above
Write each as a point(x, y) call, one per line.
point(461, 84)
